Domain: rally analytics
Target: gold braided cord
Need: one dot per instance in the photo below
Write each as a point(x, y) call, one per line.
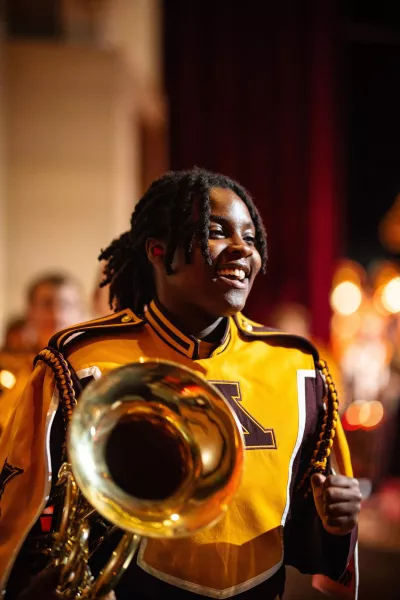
point(67, 393)
point(319, 460)
point(64, 383)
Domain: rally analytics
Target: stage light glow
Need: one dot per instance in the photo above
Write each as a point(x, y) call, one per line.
point(347, 426)
point(353, 414)
point(391, 295)
point(346, 325)
point(371, 414)
point(349, 270)
point(7, 379)
point(363, 415)
point(346, 298)
point(175, 517)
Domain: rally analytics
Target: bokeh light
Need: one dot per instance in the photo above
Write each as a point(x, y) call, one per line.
point(363, 415)
point(391, 295)
point(7, 379)
point(346, 298)
point(371, 414)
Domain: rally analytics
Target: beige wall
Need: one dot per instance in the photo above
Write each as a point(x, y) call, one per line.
point(70, 160)
point(74, 116)
point(135, 27)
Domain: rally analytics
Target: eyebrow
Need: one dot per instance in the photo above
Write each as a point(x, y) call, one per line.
point(227, 222)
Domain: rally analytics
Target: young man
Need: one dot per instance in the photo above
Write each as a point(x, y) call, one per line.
point(180, 278)
point(54, 301)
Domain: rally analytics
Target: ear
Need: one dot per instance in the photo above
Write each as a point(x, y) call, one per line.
point(155, 251)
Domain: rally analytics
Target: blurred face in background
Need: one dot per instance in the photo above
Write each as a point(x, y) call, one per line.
point(54, 307)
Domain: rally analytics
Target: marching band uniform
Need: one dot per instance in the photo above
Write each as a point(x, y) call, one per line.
point(270, 380)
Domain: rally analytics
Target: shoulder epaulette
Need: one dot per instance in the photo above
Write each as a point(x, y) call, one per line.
point(251, 329)
point(122, 321)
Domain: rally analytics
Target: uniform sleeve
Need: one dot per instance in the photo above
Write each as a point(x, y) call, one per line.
point(308, 546)
point(9, 398)
point(38, 536)
point(26, 468)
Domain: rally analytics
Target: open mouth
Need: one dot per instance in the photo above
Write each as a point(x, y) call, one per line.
point(233, 277)
point(234, 274)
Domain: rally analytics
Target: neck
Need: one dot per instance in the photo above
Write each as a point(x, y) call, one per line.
point(213, 333)
point(202, 327)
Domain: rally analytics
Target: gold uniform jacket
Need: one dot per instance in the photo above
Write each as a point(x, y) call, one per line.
point(271, 382)
point(19, 366)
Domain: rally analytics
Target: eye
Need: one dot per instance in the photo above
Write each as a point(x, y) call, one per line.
point(250, 239)
point(215, 234)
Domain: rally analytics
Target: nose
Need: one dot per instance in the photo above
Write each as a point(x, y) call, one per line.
point(240, 249)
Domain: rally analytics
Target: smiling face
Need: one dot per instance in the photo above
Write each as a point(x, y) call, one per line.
point(198, 293)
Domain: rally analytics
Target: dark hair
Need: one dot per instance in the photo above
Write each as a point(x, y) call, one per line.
point(55, 279)
point(165, 212)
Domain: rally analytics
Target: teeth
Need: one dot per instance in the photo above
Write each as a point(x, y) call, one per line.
point(238, 273)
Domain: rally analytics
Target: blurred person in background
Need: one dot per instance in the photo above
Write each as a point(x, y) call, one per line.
point(54, 301)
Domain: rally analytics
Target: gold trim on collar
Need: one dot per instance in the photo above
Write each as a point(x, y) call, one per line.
point(252, 330)
point(122, 319)
point(171, 335)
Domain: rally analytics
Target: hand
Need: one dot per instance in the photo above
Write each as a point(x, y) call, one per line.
point(44, 586)
point(338, 502)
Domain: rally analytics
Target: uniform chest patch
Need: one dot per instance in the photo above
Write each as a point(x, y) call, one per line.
point(256, 436)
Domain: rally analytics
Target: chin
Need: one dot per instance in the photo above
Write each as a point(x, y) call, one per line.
point(231, 304)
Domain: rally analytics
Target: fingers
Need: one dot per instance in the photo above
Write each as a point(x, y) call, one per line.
point(343, 509)
point(341, 481)
point(334, 495)
point(342, 516)
point(341, 503)
point(318, 479)
point(343, 524)
point(317, 482)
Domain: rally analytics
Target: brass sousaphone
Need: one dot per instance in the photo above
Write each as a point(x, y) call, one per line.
point(156, 451)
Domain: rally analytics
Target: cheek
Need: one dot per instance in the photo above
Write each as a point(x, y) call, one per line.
point(256, 267)
point(216, 248)
point(257, 263)
point(199, 261)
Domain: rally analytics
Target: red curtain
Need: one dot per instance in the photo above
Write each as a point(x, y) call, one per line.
point(252, 94)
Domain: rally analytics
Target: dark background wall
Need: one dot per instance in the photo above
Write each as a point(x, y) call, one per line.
point(298, 101)
point(373, 136)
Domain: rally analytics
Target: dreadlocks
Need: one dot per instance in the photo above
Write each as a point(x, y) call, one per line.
point(165, 212)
